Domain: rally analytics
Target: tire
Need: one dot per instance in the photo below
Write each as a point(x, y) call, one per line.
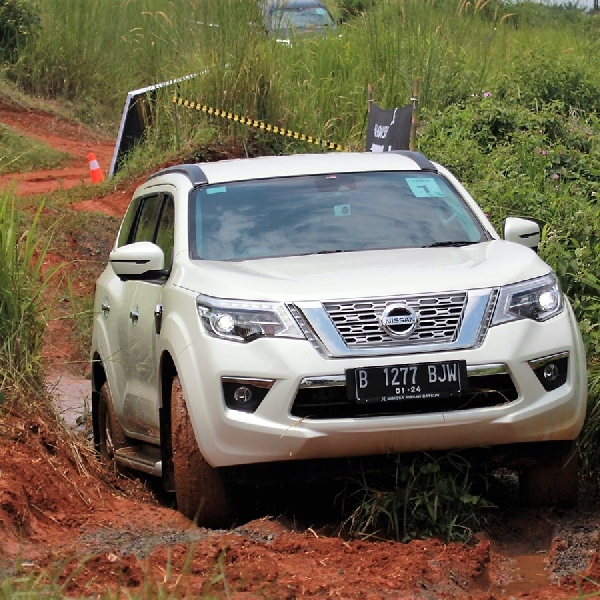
point(201, 493)
point(111, 436)
point(554, 480)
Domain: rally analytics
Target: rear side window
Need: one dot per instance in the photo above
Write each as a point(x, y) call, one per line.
point(328, 213)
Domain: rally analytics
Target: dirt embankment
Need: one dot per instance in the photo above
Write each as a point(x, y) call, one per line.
point(59, 509)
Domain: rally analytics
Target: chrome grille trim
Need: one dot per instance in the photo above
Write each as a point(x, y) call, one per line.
point(307, 330)
point(470, 329)
point(359, 321)
point(544, 360)
point(488, 316)
point(325, 397)
point(321, 381)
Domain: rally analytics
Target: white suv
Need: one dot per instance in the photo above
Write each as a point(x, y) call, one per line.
point(328, 306)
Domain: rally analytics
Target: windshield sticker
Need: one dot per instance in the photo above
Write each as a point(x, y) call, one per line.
point(217, 190)
point(341, 210)
point(424, 187)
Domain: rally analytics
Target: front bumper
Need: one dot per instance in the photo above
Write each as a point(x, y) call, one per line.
point(276, 431)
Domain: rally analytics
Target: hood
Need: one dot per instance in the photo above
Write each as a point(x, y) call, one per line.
point(375, 273)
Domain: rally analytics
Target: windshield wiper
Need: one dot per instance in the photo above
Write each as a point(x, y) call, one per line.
point(332, 251)
point(457, 243)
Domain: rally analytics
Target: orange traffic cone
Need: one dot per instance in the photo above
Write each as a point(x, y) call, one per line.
point(95, 171)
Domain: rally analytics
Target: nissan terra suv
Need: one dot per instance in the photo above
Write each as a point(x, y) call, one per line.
point(328, 306)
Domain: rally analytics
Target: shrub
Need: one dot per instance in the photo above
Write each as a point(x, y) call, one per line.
point(539, 75)
point(421, 497)
point(18, 18)
point(538, 161)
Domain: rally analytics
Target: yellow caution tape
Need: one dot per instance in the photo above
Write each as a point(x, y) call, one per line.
point(258, 124)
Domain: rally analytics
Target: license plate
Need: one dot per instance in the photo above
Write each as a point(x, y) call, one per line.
point(397, 383)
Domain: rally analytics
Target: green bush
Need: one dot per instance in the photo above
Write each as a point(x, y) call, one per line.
point(589, 439)
point(542, 75)
point(420, 497)
point(537, 161)
point(18, 18)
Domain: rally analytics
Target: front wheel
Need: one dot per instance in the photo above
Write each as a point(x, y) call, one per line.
point(200, 491)
point(111, 436)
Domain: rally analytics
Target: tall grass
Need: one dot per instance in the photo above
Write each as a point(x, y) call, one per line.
point(93, 53)
point(21, 297)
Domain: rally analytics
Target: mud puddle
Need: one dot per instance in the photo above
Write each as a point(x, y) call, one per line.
point(72, 397)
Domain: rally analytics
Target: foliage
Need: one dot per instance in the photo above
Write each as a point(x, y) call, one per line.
point(352, 8)
point(21, 154)
point(318, 85)
point(543, 75)
point(22, 284)
point(535, 160)
point(589, 439)
point(421, 497)
point(18, 18)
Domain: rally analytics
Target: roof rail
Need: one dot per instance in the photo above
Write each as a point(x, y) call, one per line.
point(420, 159)
point(193, 172)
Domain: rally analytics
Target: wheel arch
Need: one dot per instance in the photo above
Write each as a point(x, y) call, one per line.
point(168, 371)
point(98, 380)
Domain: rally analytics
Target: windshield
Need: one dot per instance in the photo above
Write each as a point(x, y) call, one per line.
point(314, 214)
point(301, 18)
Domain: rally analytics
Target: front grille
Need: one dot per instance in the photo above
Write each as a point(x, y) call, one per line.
point(333, 402)
point(359, 321)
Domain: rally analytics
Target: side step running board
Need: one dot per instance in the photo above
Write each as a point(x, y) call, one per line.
point(141, 458)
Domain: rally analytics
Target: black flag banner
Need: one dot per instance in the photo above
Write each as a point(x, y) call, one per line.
point(388, 129)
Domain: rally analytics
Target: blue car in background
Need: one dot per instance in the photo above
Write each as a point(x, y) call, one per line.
point(284, 18)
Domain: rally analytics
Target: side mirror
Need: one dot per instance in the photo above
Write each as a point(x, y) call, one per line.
point(142, 260)
point(522, 231)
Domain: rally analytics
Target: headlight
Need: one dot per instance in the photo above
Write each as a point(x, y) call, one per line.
point(244, 321)
point(538, 299)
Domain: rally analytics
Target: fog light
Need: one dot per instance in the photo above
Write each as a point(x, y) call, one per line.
point(245, 394)
point(551, 371)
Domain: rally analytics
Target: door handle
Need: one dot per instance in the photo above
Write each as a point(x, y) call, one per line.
point(134, 315)
point(105, 307)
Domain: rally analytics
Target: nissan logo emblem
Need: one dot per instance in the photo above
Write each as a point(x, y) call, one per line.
point(399, 320)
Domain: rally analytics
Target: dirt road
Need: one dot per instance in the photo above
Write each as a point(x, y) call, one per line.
point(59, 509)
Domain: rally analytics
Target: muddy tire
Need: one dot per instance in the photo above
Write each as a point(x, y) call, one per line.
point(111, 436)
point(554, 480)
point(200, 491)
